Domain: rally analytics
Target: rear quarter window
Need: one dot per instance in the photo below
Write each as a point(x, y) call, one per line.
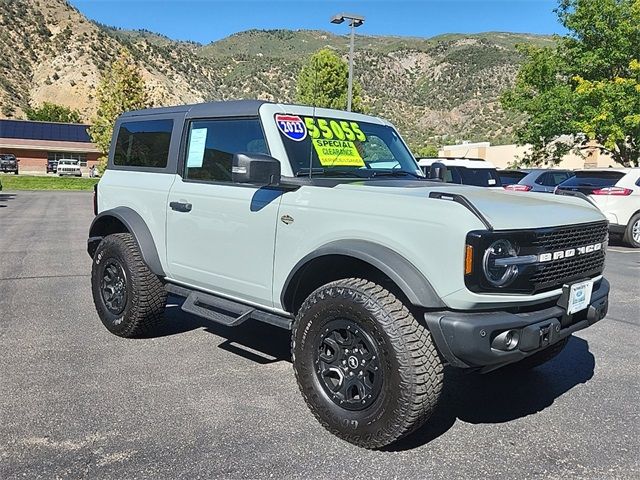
point(143, 144)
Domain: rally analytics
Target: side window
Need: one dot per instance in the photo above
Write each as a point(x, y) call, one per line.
point(543, 179)
point(559, 178)
point(638, 182)
point(554, 179)
point(212, 144)
point(453, 175)
point(143, 144)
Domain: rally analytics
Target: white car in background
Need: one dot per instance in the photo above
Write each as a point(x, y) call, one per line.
point(67, 166)
point(465, 171)
point(617, 193)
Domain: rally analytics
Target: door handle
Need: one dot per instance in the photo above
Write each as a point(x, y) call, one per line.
point(181, 206)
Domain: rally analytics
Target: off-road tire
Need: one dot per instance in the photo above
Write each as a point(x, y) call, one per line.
point(541, 357)
point(628, 233)
point(145, 294)
point(412, 370)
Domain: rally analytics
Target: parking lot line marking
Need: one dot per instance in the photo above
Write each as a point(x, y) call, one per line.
point(622, 251)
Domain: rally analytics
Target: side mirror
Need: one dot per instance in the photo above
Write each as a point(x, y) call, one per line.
point(255, 168)
point(438, 171)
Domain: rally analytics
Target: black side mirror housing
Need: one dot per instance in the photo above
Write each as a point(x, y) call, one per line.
point(438, 171)
point(255, 168)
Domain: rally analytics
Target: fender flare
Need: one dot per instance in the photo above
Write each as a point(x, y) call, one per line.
point(135, 224)
point(403, 273)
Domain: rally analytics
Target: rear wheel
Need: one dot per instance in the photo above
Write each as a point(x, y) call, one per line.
point(366, 368)
point(129, 298)
point(632, 233)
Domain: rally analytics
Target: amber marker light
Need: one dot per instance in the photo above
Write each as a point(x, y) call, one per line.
point(468, 260)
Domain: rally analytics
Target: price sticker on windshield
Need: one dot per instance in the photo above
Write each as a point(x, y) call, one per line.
point(292, 127)
point(337, 153)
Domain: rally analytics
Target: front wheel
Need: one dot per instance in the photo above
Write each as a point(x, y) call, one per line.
point(366, 368)
point(632, 232)
point(129, 298)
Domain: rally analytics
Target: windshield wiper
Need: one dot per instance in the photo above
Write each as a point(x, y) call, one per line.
point(331, 172)
point(395, 173)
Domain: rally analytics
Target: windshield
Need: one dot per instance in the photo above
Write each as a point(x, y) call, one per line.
point(332, 146)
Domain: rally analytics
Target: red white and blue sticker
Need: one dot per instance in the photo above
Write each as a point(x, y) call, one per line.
point(292, 127)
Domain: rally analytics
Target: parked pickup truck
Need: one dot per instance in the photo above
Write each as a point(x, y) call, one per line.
point(321, 222)
point(9, 163)
point(68, 167)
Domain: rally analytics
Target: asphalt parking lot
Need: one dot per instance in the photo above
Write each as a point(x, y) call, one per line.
point(204, 401)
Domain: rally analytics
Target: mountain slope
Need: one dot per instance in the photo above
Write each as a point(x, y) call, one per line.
point(437, 90)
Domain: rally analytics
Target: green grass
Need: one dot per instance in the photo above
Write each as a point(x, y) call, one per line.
point(26, 182)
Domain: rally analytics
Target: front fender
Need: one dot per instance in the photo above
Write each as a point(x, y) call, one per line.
point(402, 272)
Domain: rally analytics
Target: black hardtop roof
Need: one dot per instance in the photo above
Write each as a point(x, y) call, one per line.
point(231, 108)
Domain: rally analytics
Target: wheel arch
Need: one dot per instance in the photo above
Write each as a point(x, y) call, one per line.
point(125, 220)
point(346, 258)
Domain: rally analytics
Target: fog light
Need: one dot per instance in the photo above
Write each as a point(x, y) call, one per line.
point(506, 341)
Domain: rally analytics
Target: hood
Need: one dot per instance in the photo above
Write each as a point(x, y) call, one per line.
point(505, 210)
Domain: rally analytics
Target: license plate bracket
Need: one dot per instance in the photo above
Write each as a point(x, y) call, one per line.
point(579, 296)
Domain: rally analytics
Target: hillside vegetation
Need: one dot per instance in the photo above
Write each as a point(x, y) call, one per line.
point(438, 90)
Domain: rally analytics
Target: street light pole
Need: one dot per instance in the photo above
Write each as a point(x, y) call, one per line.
point(354, 22)
point(350, 87)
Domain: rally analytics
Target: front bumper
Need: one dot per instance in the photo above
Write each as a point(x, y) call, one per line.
point(465, 339)
point(616, 229)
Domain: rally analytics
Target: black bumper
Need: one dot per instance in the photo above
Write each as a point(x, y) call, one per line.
point(617, 229)
point(465, 339)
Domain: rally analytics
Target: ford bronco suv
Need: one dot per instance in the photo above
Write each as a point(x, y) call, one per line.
point(321, 222)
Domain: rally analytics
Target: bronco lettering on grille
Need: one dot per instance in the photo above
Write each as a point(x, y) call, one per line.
point(571, 252)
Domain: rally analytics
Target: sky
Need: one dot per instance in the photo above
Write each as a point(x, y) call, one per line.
point(205, 21)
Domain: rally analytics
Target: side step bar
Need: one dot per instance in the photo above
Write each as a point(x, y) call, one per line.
point(224, 311)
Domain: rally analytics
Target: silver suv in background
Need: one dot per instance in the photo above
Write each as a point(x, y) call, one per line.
point(541, 180)
point(321, 222)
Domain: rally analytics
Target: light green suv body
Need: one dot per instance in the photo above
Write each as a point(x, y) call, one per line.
point(254, 210)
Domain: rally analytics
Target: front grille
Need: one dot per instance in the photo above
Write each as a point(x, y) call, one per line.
point(571, 237)
point(556, 273)
point(544, 275)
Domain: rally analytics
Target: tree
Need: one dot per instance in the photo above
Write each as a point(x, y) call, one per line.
point(587, 87)
point(51, 112)
point(121, 89)
point(323, 82)
point(428, 151)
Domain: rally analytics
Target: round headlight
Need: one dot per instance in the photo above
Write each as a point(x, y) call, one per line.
point(496, 272)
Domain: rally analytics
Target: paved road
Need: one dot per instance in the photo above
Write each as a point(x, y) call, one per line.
point(202, 401)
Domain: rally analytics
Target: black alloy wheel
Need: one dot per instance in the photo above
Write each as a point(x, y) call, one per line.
point(113, 287)
point(348, 365)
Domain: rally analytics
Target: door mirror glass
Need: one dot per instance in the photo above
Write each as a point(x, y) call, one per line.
point(255, 168)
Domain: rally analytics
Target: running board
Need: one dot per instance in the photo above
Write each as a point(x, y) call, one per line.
point(224, 311)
